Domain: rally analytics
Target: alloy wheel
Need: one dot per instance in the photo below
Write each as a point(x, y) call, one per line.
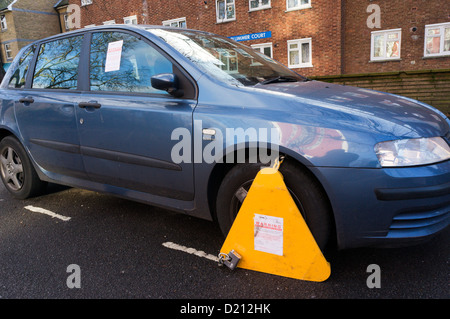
point(11, 169)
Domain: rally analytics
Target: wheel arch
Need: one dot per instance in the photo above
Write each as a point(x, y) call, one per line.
point(5, 132)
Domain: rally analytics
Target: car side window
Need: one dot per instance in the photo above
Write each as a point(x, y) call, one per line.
point(121, 62)
point(57, 64)
point(17, 80)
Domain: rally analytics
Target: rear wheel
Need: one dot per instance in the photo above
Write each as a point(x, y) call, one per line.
point(304, 189)
point(17, 172)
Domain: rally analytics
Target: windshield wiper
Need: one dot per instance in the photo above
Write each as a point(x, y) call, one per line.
point(280, 78)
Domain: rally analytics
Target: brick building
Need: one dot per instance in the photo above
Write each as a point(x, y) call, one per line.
point(421, 30)
point(22, 22)
point(275, 23)
point(396, 46)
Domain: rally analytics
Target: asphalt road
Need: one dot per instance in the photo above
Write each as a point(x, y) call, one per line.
point(119, 248)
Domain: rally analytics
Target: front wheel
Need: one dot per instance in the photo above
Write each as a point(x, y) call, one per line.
point(304, 189)
point(17, 172)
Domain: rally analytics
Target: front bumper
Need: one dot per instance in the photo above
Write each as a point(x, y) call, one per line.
point(388, 207)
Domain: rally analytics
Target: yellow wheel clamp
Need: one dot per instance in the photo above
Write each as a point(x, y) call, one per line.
point(270, 235)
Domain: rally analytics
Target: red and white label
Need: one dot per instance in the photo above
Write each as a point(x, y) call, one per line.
point(268, 234)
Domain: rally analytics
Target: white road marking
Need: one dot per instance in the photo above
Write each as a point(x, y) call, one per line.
point(192, 251)
point(46, 212)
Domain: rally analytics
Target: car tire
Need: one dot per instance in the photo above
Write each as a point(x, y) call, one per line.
point(16, 170)
point(305, 190)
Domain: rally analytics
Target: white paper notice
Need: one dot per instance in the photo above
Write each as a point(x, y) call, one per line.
point(113, 56)
point(268, 234)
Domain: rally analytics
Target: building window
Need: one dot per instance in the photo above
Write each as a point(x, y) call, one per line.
point(66, 22)
point(299, 53)
point(176, 23)
point(386, 45)
point(8, 52)
point(86, 2)
point(437, 39)
point(264, 48)
point(130, 20)
point(225, 10)
point(3, 23)
point(109, 22)
point(297, 4)
point(229, 61)
point(259, 4)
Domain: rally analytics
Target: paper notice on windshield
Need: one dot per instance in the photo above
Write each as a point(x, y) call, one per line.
point(268, 234)
point(113, 56)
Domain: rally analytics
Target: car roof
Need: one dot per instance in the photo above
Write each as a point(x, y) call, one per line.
point(134, 27)
point(139, 29)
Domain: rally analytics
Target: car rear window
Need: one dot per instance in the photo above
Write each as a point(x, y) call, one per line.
point(17, 80)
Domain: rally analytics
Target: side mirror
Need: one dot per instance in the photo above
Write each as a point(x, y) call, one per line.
point(167, 82)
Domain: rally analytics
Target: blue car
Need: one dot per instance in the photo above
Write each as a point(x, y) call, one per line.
point(185, 119)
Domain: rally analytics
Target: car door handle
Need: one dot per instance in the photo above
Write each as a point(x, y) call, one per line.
point(94, 105)
point(26, 100)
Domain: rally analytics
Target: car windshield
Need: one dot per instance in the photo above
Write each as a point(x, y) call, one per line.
point(226, 59)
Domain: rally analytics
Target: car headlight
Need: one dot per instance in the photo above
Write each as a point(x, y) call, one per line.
point(411, 152)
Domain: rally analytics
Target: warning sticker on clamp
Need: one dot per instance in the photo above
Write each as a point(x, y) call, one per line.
point(268, 234)
point(113, 56)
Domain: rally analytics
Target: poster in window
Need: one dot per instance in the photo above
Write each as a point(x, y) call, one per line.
point(113, 56)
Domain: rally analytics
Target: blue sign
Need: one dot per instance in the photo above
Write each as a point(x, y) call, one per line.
point(252, 36)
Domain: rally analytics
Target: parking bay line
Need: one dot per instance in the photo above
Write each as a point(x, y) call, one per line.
point(192, 251)
point(46, 212)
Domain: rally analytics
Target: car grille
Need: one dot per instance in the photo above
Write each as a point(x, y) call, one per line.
point(420, 221)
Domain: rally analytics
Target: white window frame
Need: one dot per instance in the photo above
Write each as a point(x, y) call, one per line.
point(441, 27)
point(177, 21)
point(300, 6)
point(385, 33)
point(8, 51)
point(299, 43)
point(86, 2)
point(109, 22)
point(129, 20)
point(90, 26)
point(261, 6)
point(231, 55)
point(3, 23)
point(260, 48)
point(227, 3)
point(66, 21)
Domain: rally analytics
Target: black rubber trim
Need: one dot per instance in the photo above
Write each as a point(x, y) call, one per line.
point(128, 158)
point(107, 154)
point(389, 194)
point(59, 146)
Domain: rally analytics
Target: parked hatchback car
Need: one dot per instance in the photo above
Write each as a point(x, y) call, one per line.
point(181, 119)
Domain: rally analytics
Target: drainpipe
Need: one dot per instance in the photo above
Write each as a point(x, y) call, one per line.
point(2, 70)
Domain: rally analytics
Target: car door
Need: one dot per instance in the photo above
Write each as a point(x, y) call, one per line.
point(45, 108)
point(125, 125)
